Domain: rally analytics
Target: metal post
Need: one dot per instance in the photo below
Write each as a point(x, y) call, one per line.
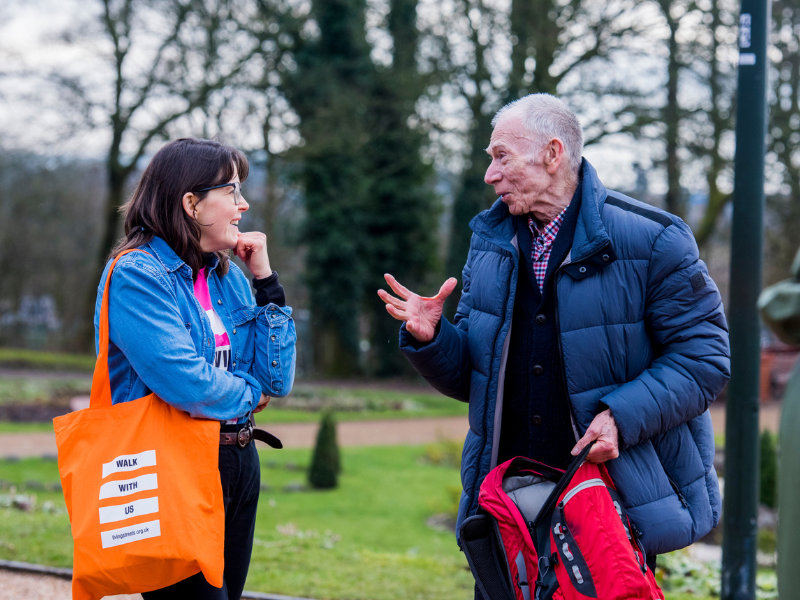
point(741, 433)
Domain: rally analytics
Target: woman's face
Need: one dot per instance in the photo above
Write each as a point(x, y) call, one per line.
point(218, 216)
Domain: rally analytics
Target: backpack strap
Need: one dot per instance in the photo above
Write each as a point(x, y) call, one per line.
point(546, 582)
point(482, 545)
point(562, 484)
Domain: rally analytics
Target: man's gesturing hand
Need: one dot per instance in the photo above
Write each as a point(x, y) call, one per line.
point(421, 315)
point(604, 430)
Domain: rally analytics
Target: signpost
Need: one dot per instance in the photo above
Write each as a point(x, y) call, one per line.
point(741, 432)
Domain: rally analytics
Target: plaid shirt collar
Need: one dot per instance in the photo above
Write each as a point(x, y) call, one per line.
point(543, 240)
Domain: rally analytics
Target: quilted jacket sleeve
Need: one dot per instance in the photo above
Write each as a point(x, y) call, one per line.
point(444, 361)
point(688, 329)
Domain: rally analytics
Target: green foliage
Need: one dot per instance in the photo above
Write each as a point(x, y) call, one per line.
point(767, 541)
point(370, 206)
point(445, 453)
point(683, 578)
point(323, 474)
point(329, 91)
point(768, 486)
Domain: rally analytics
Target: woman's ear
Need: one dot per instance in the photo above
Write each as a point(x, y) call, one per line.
point(189, 202)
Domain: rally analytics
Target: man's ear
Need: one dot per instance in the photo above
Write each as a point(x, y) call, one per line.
point(554, 152)
point(189, 202)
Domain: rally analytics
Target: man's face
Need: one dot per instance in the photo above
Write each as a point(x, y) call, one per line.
point(516, 172)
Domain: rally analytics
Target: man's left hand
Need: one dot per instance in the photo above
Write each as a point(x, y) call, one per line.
point(604, 430)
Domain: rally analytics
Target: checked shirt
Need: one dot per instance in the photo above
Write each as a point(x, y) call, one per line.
point(543, 245)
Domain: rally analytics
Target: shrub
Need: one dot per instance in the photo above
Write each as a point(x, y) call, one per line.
point(325, 466)
point(446, 453)
point(769, 470)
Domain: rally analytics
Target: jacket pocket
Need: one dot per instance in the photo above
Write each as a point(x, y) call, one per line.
point(244, 336)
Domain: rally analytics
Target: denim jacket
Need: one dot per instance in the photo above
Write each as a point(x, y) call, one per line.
point(161, 339)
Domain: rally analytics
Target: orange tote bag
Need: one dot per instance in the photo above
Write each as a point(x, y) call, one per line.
point(142, 486)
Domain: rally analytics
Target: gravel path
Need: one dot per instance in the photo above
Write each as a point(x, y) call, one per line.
point(293, 435)
point(24, 586)
point(356, 433)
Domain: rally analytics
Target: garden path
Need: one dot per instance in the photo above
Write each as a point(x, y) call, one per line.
point(355, 433)
point(293, 435)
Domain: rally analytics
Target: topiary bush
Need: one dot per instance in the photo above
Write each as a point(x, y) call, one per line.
point(323, 474)
point(769, 470)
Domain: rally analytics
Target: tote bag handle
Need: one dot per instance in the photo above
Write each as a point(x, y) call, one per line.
point(101, 380)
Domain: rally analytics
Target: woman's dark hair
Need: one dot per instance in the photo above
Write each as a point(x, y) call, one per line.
point(156, 207)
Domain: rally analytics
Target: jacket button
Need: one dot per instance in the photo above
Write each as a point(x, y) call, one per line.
point(536, 420)
point(219, 301)
point(582, 270)
point(234, 332)
point(272, 338)
point(541, 319)
point(233, 365)
point(274, 363)
point(538, 370)
point(605, 257)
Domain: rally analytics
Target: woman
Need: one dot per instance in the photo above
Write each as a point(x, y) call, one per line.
point(183, 323)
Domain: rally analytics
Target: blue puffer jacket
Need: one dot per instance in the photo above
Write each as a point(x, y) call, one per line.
point(642, 332)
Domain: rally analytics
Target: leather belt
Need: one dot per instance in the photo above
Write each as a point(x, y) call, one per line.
point(247, 434)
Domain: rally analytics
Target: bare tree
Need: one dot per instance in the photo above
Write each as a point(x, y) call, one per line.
point(165, 61)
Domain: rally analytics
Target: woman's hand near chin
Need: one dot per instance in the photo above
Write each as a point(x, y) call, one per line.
point(251, 248)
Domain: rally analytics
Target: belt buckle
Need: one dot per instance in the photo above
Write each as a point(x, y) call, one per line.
point(244, 436)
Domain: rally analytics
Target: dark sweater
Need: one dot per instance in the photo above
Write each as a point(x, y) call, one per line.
point(269, 290)
point(536, 416)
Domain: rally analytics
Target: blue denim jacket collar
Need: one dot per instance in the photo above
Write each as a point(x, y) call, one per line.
point(164, 254)
point(170, 260)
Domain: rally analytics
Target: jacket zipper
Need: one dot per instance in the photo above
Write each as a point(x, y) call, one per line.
point(503, 252)
point(677, 491)
point(580, 487)
point(563, 369)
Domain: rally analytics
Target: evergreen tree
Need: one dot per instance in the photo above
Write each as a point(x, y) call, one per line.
point(769, 470)
point(402, 209)
point(325, 463)
point(329, 91)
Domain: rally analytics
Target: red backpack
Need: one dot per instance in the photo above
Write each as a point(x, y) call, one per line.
point(542, 533)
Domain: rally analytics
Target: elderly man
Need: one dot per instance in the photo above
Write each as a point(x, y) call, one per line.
point(585, 315)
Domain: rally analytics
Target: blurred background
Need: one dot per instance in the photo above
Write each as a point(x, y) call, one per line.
point(365, 123)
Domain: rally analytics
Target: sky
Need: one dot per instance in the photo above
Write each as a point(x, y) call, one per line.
point(34, 116)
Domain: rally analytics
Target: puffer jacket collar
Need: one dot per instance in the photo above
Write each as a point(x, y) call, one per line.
point(494, 225)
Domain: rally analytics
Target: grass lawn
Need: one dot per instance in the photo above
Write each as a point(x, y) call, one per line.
point(9, 427)
point(53, 361)
point(353, 403)
point(368, 539)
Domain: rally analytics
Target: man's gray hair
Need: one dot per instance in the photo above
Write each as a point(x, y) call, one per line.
point(545, 117)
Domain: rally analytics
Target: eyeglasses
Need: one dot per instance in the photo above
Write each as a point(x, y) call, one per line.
point(237, 190)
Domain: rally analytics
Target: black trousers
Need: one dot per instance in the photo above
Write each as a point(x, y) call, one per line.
point(240, 474)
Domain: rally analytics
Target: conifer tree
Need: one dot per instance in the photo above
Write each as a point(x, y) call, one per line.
point(325, 466)
point(402, 210)
point(329, 91)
